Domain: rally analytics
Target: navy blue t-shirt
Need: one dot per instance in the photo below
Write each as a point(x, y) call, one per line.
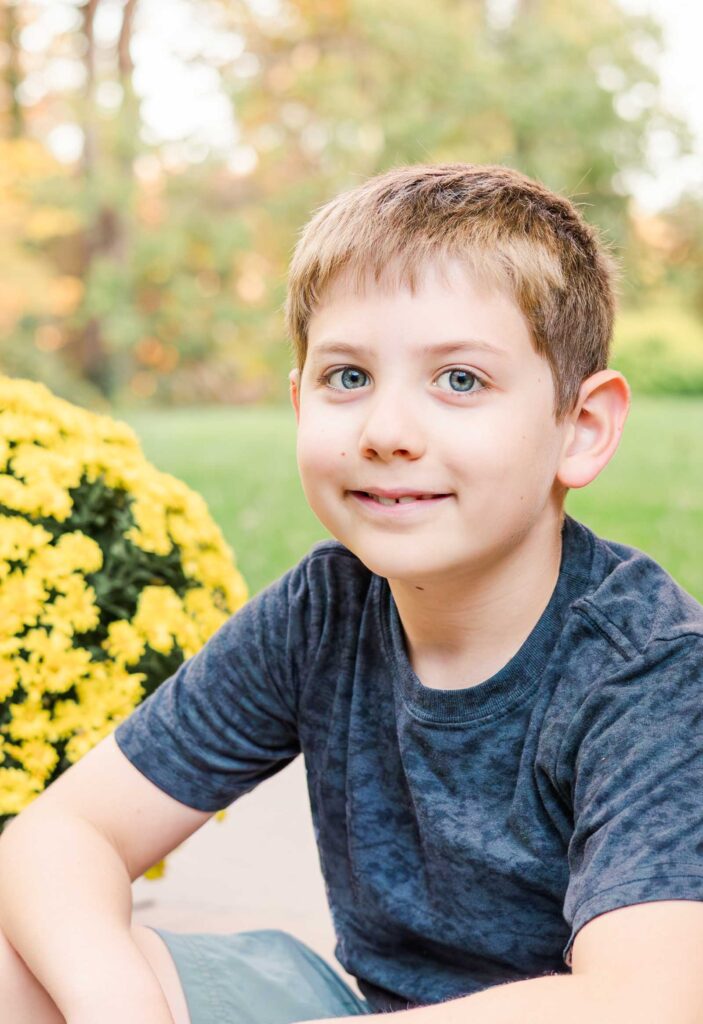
point(465, 836)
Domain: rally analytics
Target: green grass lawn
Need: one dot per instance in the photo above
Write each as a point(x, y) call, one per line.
point(242, 461)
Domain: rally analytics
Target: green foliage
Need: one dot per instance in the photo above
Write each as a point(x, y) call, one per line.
point(660, 350)
point(354, 87)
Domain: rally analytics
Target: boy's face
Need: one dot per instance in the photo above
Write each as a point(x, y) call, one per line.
point(399, 396)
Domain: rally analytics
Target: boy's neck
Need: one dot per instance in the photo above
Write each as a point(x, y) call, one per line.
point(461, 633)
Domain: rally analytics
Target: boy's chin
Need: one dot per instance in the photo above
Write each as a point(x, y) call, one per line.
point(402, 567)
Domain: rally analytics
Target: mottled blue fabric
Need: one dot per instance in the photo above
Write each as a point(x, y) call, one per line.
point(465, 836)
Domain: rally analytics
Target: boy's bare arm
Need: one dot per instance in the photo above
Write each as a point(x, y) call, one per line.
point(66, 866)
point(637, 963)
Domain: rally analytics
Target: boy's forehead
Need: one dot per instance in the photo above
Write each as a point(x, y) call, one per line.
point(444, 301)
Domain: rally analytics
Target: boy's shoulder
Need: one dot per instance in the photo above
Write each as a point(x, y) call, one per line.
point(628, 598)
point(632, 599)
point(329, 575)
point(329, 562)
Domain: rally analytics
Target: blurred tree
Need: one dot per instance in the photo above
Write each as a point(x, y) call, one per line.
point(34, 298)
point(105, 169)
point(179, 250)
point(685, 250)
point(328, 92)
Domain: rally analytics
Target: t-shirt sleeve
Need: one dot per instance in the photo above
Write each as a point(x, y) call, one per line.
point(227, 719)
point(638, 787)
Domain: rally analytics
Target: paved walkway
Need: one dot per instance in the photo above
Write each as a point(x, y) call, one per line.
point(256, 869)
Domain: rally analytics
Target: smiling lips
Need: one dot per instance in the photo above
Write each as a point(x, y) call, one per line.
point(397, 497)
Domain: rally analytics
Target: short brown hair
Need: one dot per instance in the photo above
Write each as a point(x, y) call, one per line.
point(509, 229)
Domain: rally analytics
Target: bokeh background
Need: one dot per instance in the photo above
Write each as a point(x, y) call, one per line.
point(158, 158)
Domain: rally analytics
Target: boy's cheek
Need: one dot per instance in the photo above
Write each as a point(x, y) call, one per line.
point(320, 443)
point(315, 464)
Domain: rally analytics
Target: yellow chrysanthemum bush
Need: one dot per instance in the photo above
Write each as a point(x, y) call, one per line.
point(111, 574)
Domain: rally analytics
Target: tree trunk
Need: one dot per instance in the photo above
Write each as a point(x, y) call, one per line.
point(89, 130)
point(12, 73)
point(108, 235)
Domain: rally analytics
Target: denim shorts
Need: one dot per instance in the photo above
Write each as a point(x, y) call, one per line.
point(259, 977)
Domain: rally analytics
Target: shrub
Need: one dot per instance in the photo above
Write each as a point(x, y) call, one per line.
point(111, 573)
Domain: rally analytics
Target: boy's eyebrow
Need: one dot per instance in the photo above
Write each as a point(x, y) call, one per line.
point(332, 347)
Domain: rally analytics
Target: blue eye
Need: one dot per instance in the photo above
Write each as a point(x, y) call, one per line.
point(460, 381)
point(350, 378)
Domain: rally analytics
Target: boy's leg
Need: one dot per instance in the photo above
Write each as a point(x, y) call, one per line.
point(25, 1001)
point(157, 953)
point(257, 977)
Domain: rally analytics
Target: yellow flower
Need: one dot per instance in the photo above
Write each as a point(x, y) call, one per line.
point(157, 870)
point(36, 757)
point(41, 498)
point(123, 642)
point(75, 609)
point(211, 568)
point(17, 789)
point(22, 600)
point(55, 670)
point(182, 531)
point(18, 538)
point(115, 432)
point(36, 464)
point(8, 678)
point(104, 700)
point(26, 428)
point(57, 696)
point(199, 606)
point(13, 494)
point(109, 693)
point(150, 534)
point(189, 637)
point(44, 643)
point(80, 553)
point(68, 718)
point(158, 616)
point(9, 646)
point(29, 720)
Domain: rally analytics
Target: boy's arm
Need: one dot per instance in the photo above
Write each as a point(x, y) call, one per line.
point(640, 963)
point(66, 864)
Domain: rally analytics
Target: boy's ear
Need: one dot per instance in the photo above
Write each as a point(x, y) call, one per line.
point(294, 379)
point(594, 427)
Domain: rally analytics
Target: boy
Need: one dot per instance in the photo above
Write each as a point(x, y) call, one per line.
point(500, 712)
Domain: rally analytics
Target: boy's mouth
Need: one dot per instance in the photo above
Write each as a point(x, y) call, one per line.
point(398, 497)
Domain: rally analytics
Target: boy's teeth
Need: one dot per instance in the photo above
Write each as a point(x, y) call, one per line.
point(398, 501)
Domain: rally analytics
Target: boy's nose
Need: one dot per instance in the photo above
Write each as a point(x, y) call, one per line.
point(391, 430)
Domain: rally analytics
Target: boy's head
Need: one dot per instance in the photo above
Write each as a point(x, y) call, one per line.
point(509, 231)
point(452, 327)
